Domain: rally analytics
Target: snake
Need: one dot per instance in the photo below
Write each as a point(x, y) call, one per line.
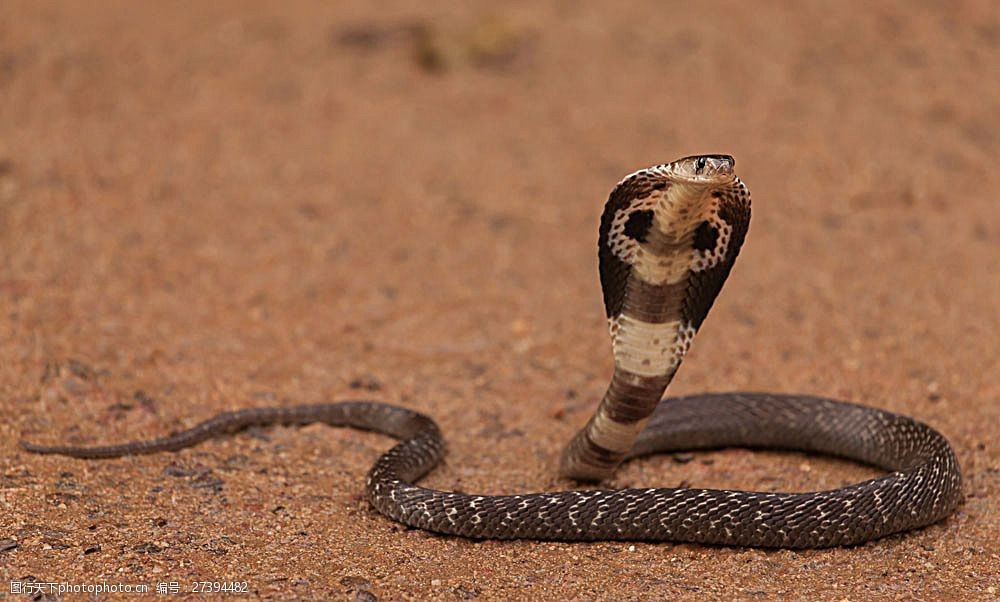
point(669, 236)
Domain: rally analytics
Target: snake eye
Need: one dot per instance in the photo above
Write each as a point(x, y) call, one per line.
point(699, 164)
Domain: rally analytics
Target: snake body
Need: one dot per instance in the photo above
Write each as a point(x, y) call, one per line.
point(669, 236)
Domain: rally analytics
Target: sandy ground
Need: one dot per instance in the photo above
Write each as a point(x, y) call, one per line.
point(205, 208)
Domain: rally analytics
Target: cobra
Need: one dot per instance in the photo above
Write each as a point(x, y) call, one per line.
point(669, 236)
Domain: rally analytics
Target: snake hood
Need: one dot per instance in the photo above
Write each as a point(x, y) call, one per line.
point(669, 237)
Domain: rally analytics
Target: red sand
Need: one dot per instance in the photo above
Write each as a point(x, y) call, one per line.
point(212, 207)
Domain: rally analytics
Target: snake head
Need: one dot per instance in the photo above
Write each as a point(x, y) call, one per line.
point(703, 168)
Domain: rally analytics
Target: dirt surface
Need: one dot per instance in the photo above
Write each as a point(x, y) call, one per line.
point(216, 205)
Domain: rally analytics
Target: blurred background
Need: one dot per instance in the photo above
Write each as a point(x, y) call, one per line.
point(206, 206)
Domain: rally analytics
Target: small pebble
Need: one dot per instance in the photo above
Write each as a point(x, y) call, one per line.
point(366, 383)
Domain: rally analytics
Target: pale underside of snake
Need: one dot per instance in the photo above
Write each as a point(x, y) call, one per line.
point(669, 236)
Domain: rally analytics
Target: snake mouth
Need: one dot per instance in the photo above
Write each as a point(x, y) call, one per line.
point(704, 168)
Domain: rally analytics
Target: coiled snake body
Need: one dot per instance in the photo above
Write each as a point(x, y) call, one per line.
point(669, 236)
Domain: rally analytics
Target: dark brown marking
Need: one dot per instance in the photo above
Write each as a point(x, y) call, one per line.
point(604, 456)
point(638, 224)
point(635, 396)
point(705, 237)
point(654, 303)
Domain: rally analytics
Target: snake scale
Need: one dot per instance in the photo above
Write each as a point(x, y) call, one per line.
point(669, 236)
